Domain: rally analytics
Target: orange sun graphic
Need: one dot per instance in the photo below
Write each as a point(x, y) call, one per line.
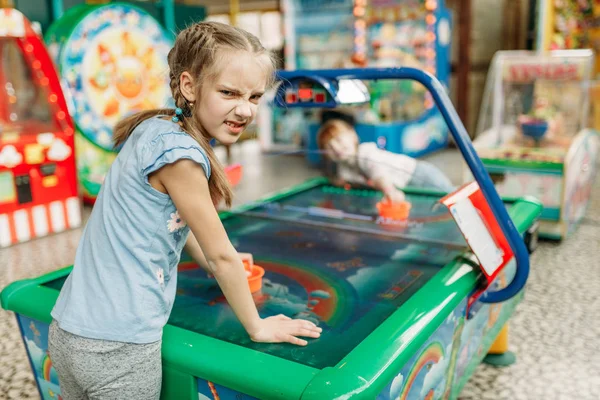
point(125, 73)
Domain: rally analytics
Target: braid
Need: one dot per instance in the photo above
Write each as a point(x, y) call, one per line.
point(196, 50)
point(177, 95)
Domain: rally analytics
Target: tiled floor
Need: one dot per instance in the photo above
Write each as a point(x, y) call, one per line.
point(555, 332)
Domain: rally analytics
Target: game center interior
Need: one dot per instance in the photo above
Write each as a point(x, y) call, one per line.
point(418, 184)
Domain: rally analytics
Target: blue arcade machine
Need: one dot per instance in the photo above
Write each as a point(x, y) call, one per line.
point(401, 116)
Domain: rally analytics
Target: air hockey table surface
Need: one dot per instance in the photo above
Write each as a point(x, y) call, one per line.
point(384, 293)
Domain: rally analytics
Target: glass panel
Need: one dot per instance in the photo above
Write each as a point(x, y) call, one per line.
point(26, 99)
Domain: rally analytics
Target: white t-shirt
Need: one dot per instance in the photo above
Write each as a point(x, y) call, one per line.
point(374, 162)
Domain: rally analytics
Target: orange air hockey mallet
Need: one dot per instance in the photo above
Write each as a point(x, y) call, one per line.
point(397, 211)
point(254, 272)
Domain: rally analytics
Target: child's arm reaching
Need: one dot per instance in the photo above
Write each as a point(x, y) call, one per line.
point(378, 177)
point(187, 185)
point(391, 193)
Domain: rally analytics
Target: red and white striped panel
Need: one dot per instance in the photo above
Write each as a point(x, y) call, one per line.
point(41, 220)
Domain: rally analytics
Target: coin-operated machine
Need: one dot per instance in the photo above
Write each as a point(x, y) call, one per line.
point(38, 184)
point(533, 134)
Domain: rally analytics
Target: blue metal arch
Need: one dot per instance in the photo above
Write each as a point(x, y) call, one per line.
point(463, 141)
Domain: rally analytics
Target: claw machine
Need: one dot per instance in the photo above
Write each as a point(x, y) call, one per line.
point(533, 134)
point(38, 183)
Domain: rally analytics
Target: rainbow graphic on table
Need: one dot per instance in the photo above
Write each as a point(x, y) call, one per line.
point(431, 355)
point(325, 291)
point(48, 372)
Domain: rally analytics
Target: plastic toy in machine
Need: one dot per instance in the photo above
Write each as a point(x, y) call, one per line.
point(38, 182)
point(112, 59)
point(532, 133)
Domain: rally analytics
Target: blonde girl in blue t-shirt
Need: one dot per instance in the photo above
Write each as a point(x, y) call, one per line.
point(158, 198)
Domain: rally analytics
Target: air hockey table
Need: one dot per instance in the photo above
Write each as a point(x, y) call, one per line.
point(391, 297)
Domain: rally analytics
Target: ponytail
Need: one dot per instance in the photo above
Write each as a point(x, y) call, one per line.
point(198, 49)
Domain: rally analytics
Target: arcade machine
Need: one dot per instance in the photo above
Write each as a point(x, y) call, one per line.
point(113, 61)
point(404, 33)
point(570, 25)
point(532, 134)
point(401, 116)
point(38, 182)
point(409, 306)
point(318, 34)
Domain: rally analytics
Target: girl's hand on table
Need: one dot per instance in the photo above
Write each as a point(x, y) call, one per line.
point(281, 328)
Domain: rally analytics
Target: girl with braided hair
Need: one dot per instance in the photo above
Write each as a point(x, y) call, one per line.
point(158, 198)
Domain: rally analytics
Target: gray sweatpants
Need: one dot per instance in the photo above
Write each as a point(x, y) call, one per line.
point(100, 369)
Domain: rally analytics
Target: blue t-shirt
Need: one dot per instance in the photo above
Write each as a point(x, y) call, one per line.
point(124, 279)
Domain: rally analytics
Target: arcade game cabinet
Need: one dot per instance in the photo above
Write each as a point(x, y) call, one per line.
point(533, 136)
point(38, 183)
point(400, 117)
